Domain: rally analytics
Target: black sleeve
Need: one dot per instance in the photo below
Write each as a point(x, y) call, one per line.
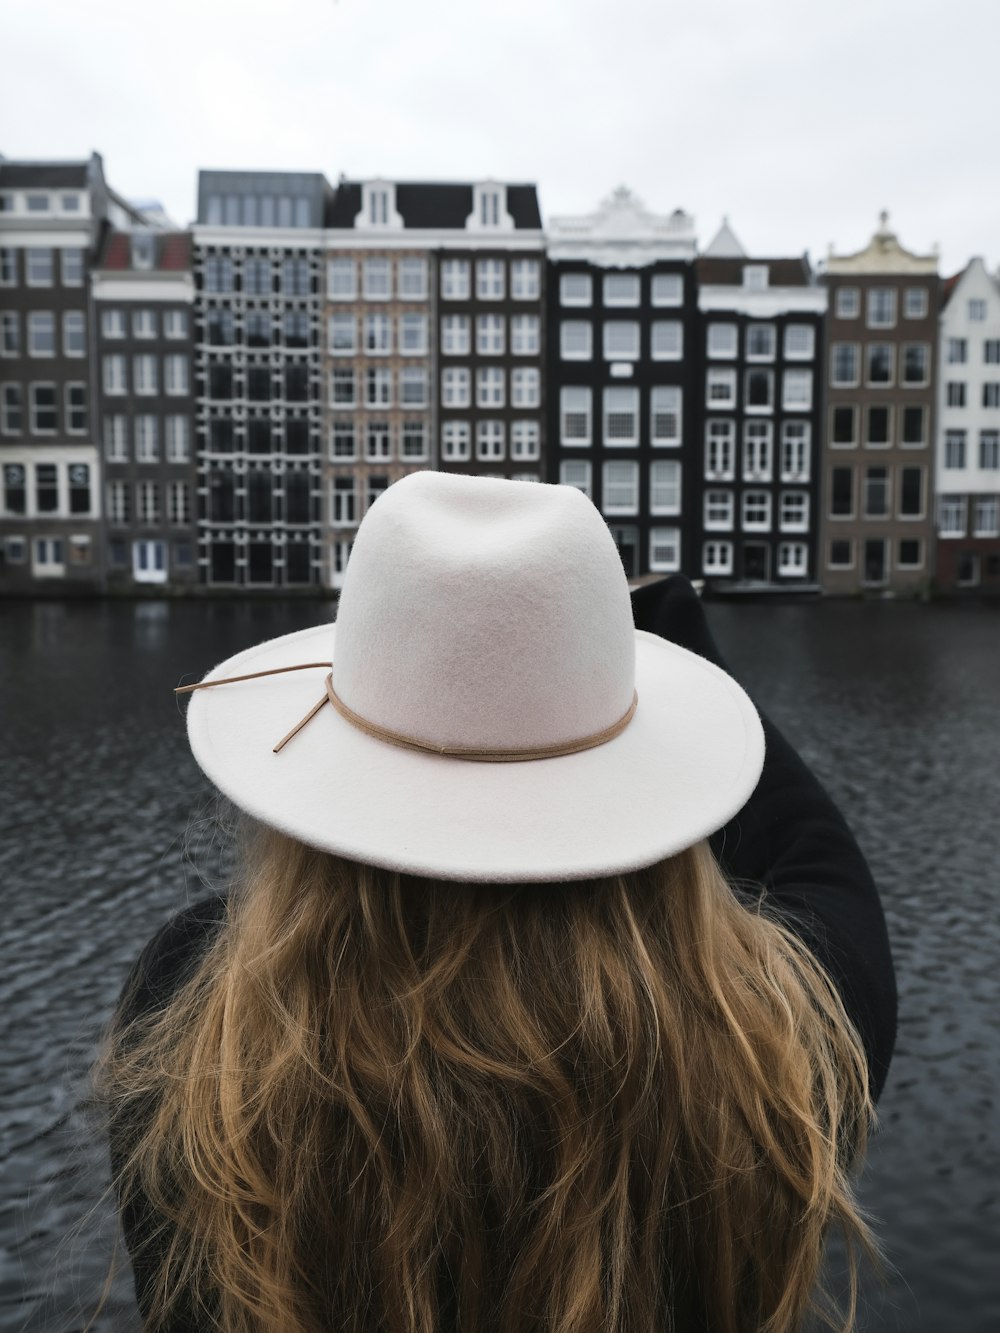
point(167, 961)
point(792, 841)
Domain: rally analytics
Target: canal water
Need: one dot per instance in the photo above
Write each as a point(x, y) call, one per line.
point(106, 830)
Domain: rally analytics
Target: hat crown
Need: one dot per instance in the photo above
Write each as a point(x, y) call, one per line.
point(480, 612)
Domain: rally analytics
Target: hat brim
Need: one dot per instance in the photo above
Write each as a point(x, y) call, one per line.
point(685, 764)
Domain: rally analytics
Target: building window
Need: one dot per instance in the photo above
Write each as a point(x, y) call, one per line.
point(144, 374)
point(456, 387)
point(955, 393)
point(761, 342)
point(142, 250)
point(989, 450)
point(795, 442)
point(575, 340)
point(413, 440)
point(412, 279)
point(15, 489)
point(844, 427)
point(413, 335)
point(490, 335)
point(296, 278)
point(113, 323)
point(991, 394)
point(793, 513)
point(879, 427)
point(991, 351)
point(455, 335)
point(717, 558)
point(525, 279)
point(720, 388)
point(115, 439)
point(575, 416)
point(576, 289)
point(665, 487)
point(342, 335)
point(71, 266)
point(343, 442)
point(793, 559)
point(841, 554)
point(295, 328)
point(913, 427)
point(954, 449)
point(876, 492)
point(986, 516)
point(178, 503)
point(42, 402)
point(664, 549)
point(800, 342)
point(177, 438)
point(621, 289)
point(620, 488)
point(881, 307)
point(455, 280)
point(343, 390)
point(341, 280)
point(911, 492)
point(118, 502)
point(257, 276)
point(916, 363)
point(175, 375)
point(46, 488)
point(525, 335)
point(525, 387)
point(722, 340)
point(455, 441)
point(915, 303)
point(621, 416)
point(413, 386)
point(10, 333)
point(489, 440)
point(757, 444)
point(621, 340)
point(218, 273)
point(958, 351)
point(175, 324)
point(378, 387)
point(378, 335)
point(667, 289)
point(378, 441)
point(755, 277)
point(720, 450)
point(879, 358)
point(147, 502)
point(576, 472)
point(8, 267)
point(39, 266)
point(147, 448)
point(951, 515)
point(910, 553)
point(718, 511)
point(844, 358)
point(797, 390)
point(220, 327)
point(377, 484)
point(665, 415)
point(377, 279)
point(490, 280)
point(977, 311)
point(344, 506)
point(759, 390)
point(144, 324)
point(841, 492)
point(490, 387)
point(667, 340)
point(848, 302)
point(41, 333)
point(525, 440)
point(756, 511)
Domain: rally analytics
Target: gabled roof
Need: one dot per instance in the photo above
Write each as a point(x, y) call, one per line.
point(171, 252)
point(725, 244)
point(433, 205)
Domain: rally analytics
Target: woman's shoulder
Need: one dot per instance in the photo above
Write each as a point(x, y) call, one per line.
point(169, 958)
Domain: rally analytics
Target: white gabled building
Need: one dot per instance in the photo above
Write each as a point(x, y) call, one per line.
point(967, 460)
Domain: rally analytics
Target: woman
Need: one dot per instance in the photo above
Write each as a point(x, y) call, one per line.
point(487, 1035)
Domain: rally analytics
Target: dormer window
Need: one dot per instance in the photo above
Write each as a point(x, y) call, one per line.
point(378, 208)
point(378, 205)
point(37, 203)
point(142, 251)
point(755, 277)
point(489, 208)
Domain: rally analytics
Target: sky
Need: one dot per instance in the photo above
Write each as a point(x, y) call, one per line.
point(798, 120)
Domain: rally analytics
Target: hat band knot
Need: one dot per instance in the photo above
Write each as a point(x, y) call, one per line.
point(474, 754)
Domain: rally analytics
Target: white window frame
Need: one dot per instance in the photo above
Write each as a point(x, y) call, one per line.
point(41, 333)
point(114, 374)
point(720, 449)
point(667, 289)
point(456, 279)
point(796, 448)
point(666, 340)
point(376, 278)
point(525, 386)
point(525, 440)
point(146, 437)
point(412, 333)
point(621, 290)
point(797, 390)
point(525, 279)
point(490, 440)
point(755, 511)
point(342, 334)
point(491, 279)
point(876, 319)
point(626, 334)
point(456, 442)
point(665, 477)
point(491, 335)
point(720, 388)
point(717, 558)
point(456, 335)
point(341, 279)
point(412, 279)
point(177, 438)
point(664, 550)
point(175, 323)
point(576, 340)
point(619, 488)
point(74, 333)
point(176, 375)
point(793, 511)
point(617, 405)
point(805, 335)
point(525, 335)
point(765, 331)
point(758, 450)
point(718, 510)
point(343, 378)
point(491, 387)
point(666, 401)
point(952, 515)
point(748, 376)
point(793, 559)
point(576, 408)
point(377, 334)
point(414, 387)
point(577, 472)
point(145, 375)
point(456, 386)
point(576, 289)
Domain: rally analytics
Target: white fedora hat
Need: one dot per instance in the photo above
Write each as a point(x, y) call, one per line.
point(483, 708)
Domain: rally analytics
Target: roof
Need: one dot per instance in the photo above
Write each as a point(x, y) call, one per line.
point(38, 175)
point(729, 272)
point(433, 205)
point(725, 244)
point(171, 252)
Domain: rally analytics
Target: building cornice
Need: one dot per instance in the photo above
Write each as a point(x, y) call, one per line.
point(14, 233)
point(621, 233)
point(436, 239)
point(156, 285)
point(883, 254)
point(764, 304)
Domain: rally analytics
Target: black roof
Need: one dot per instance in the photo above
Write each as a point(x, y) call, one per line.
point(430, 206)
point(726, 272)
point(38, 175)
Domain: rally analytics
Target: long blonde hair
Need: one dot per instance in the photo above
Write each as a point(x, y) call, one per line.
point(384, 1104)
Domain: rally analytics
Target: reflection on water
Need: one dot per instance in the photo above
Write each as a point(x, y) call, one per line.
point(105, 833)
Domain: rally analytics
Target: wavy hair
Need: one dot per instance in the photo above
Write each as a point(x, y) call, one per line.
point(383, 1104)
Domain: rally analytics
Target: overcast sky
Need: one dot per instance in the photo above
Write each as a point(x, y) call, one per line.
point(798, 120)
